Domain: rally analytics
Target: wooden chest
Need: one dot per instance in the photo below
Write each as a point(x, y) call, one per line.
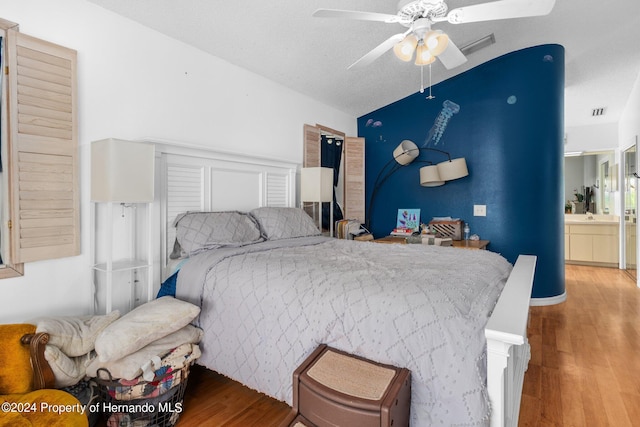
point(451, 229)
point(334, 388)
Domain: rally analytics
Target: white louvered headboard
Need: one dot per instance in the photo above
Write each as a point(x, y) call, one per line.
point(196, 179)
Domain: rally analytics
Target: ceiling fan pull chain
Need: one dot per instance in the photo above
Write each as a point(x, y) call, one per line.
point(422, 79)
point(430, 96)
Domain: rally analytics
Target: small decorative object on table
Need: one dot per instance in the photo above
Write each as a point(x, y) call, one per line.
point(568, 207)
point(431, 239)
point(365, 237)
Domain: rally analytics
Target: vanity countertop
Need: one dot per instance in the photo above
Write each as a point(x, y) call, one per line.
point(597, 219)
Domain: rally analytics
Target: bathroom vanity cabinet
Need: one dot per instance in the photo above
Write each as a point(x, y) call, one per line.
point(592, 242)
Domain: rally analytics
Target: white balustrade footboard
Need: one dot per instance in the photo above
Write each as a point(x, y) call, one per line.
point(508, 350)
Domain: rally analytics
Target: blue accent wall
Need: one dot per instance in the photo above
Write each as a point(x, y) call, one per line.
point(510, 130)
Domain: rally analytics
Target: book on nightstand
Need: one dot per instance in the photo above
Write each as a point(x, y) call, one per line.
point(401, 231)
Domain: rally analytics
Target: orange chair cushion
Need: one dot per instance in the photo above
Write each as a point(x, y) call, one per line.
point(47, 407)
point(16, 374)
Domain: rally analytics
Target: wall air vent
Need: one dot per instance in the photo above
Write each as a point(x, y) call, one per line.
point(478, 44)
point(598, 112)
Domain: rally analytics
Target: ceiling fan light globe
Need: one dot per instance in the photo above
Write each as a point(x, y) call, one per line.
point(423, 56)
point(404, 50)
point(436, 41)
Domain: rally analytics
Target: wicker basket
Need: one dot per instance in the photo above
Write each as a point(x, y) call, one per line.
point(451, 229)
point(161, 410)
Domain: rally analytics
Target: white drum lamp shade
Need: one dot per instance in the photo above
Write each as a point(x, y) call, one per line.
point(406, 152)
point(122, 171)
point(453, 169)
point(316, 185)
point(429, 176)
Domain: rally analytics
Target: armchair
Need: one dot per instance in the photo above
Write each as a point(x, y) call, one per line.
point(27, 396)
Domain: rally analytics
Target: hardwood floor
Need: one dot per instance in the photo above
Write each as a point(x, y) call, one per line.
point(214, 400)
point(584, 369)
point(585, 354)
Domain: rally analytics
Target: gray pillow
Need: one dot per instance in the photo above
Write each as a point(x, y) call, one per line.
point(198, 231)
point(285, 223)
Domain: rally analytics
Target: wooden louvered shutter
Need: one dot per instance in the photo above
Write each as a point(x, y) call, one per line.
point(43, 150)
point(311, 159)
point(354, 179)
point(311, 153)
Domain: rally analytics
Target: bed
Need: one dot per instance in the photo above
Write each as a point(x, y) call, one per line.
point(456, 318)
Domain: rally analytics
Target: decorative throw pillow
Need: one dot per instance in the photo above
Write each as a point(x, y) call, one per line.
point(198, 231)
point(285, 223)
point(132, 365)
point(143, 325)
point(68, 371)
point(75, 335)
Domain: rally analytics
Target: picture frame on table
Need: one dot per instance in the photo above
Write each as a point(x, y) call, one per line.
point(408, 218)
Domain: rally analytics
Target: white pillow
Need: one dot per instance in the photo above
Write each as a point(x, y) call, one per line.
point(75, 335)
point(68, 371)
point(130, 367)
point(143, 325)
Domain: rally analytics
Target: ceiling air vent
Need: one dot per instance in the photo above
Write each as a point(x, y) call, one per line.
point(598, 112)
point(478, 44)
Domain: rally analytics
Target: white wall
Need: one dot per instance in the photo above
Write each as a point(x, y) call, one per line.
point(629, 127)
point(629, 131)
point(135, 83)
point(599, 137)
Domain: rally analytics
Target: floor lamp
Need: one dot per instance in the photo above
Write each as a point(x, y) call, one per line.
point(316, 185)
point(433, 175)
point(122, 172)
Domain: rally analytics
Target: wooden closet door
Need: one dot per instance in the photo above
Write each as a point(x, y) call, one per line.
point(354, 179)
point(311, 153)
point(43, 149)
point(311, 159)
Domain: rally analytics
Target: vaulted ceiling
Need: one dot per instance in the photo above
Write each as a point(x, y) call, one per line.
point(281, 41)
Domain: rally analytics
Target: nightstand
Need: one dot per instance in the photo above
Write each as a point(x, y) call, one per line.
point(463, 244)
point(391, 239)
point(471, 244)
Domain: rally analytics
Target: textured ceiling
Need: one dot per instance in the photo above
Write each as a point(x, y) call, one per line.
point(281, 41)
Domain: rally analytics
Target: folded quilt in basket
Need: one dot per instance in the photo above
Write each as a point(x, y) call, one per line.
point(172, 371)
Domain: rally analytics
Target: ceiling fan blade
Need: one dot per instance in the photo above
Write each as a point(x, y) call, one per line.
point(502, 9)
point(452, 57)
point(353, 14)
point(378, 51)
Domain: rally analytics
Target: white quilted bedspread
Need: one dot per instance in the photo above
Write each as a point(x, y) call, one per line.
point(266, 307)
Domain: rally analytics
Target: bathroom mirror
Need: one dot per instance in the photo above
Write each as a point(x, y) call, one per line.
point(589, 181)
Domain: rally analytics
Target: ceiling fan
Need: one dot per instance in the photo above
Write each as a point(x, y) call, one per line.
point(419, 15)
